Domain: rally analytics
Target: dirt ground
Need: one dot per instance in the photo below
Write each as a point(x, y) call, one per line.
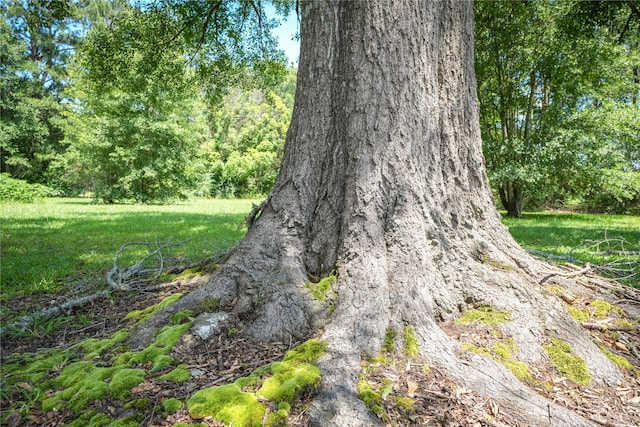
point(434, 399)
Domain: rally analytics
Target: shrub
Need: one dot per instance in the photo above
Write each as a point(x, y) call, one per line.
point(21, 191)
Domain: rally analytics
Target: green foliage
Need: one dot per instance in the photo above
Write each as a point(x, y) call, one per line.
point(136, 137)
point(248, 133)
point(37, 38)
point(558, 100)
point(20, 191)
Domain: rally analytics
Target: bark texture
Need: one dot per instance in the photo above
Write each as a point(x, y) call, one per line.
point(383, 183)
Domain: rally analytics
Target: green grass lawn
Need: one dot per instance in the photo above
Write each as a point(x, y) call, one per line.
point(560, 233)
point(54, 243)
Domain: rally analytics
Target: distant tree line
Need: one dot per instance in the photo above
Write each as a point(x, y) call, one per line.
point(109, 99)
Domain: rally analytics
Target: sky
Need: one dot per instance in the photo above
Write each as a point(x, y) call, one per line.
point(285, 33)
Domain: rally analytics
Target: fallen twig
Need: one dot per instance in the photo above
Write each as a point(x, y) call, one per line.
point(584, 270)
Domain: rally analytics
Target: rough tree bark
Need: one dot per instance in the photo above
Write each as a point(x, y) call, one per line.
point(383, 183)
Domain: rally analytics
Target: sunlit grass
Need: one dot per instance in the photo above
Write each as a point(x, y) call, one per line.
point(52, 243)
point(580, 235)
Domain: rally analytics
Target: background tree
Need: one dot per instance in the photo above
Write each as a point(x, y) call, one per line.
point(139, 123)
point(541, 66)
point(383, 185)
point(138, 133)
point(38, 38)
point(248, 132)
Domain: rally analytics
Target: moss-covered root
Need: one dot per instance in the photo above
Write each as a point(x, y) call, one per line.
point(568, 364)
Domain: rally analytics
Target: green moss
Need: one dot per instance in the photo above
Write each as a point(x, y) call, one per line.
point(519, 369)
point(32, 369)
point(389, 345)
point(158, 351)
point(496, 264)
point(372, 398)
point(410, 341)
point(280, 417)
point(94, 347)
point(133, 420)
point(467, 346)
point(295, 374)
point(91, 419)
point(502, 352)
point(323, 289)
point(504, 349)
point(279, 382)
point(179, 375)
point(83, 382)
point(171, 405)
point(290, 378)
point(620, 361)
point(187, 274)
point(571, 366)
point(601, 309)
point(486, 315)
point(182, 317)
point(578, 314)
point(142, 315)
point(309, 351)
point(404, 404)
point(139, 404)
point(227, 404)
point(207, 305)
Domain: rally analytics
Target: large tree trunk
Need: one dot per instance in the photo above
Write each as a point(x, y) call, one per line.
point(383, 183)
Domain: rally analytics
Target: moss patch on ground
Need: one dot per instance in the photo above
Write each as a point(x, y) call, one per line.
point(158, 351)
point(601, 309)
point(179, 375)
point(502, 352)
point(389, 345)
point(76, 376)
point(83, 382)
point(568, 364)
point(486, 315)
point(95, 347)
point(142, 315)
point(280, 382)
point(578, 314)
